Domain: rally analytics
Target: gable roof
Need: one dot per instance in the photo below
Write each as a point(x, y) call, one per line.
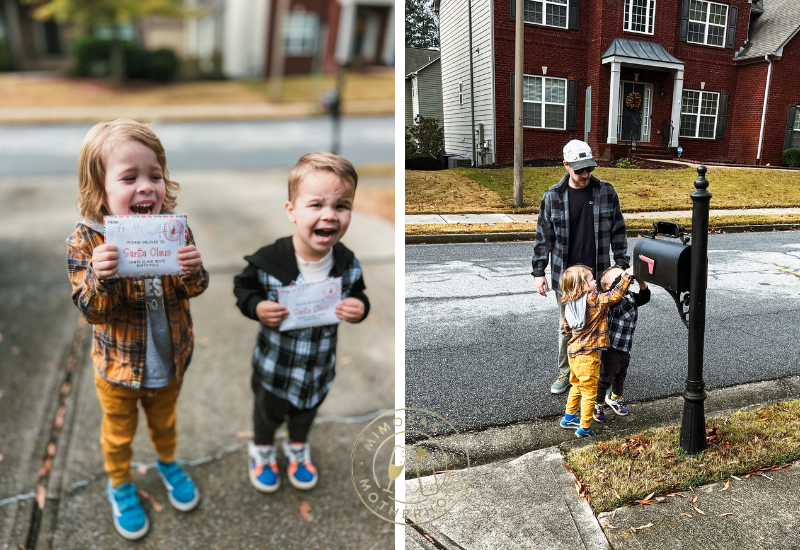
point(777, 24)
point(417, 58)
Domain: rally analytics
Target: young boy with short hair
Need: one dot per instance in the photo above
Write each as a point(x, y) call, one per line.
point(293, 370)
point(614, 361)
point(142, 327)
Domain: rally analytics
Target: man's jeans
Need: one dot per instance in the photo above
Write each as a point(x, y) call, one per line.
point(563, 340)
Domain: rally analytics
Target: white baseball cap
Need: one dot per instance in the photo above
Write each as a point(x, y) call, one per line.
point(578, 155)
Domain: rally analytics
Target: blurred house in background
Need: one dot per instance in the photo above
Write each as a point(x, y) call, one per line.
point(318, 35)
point(28, 44)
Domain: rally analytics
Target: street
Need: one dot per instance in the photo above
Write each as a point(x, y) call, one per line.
point(481, 345)
point(50, 415)
point(246, 145)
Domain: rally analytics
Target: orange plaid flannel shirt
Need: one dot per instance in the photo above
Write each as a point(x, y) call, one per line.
point(594, 335)
point(116, 307)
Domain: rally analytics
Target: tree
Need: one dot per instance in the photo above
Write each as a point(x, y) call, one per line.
point(422, 25)
point(87, 15)
point(424, 139)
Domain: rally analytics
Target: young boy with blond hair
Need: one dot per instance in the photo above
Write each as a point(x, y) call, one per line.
point(615, 359)
point(143, 337)
point(293, 369)
point(586, 321)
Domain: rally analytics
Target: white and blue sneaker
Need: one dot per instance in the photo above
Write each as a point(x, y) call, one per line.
point(182, 493)
point(263, 467)
point(302, 473)
point(570, 423)
point(130, 520)
point(615, 402)
point(585, 432)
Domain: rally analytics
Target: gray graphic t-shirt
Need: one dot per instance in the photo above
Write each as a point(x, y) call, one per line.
point(160, 365)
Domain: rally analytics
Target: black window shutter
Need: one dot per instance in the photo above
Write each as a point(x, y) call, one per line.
point(512, 99)
point(732, 27)
point(787, 140)
point(684, 21)
point(513, 10)
point(572, 101)
point(722, 115)
point(574, 8)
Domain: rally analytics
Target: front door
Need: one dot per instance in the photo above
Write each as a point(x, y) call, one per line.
point(632, 111)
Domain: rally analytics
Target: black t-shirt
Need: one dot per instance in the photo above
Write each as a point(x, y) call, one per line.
point(581, 228)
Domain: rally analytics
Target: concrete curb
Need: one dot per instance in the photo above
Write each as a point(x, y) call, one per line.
point(530, 235)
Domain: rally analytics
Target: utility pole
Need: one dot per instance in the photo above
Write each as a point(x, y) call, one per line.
point(519, 51)
point(278, 51)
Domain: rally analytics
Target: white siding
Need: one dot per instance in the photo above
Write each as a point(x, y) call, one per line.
point(454, 43)
point(429, 92)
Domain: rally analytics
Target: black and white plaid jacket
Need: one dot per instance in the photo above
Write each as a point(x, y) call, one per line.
point(622, 319)
point(295, 365)
point(552, 230)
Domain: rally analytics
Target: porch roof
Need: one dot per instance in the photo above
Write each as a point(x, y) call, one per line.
point(640, 52)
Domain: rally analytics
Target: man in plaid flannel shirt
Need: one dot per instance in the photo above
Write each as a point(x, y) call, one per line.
point(579, 219)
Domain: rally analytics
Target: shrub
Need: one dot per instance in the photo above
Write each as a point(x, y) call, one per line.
point(6, 61)
point(791, 157)
point(92, 59)
point(425, 138)
point(423, 163)
point(625, 163)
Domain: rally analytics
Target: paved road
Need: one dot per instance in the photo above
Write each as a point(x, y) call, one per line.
point(481, 344)
point(250, 145)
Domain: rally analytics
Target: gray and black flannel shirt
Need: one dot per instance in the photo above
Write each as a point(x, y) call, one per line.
point(622, 319)
point(295, 365)
point(552, 230)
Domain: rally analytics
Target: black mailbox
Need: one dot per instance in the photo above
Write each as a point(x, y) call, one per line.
point(663, 262)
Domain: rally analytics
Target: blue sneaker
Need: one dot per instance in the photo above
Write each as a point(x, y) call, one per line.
point(570, 424)
point(302, 473)
point(263, 467)
point(599, 415)
point(130, 520)
point(585, 432)
point(615, 402)
point(181, 491)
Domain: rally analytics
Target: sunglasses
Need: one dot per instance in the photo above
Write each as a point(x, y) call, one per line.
point(590, 169)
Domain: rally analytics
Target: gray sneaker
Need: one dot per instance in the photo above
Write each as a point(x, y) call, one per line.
point(560, 385)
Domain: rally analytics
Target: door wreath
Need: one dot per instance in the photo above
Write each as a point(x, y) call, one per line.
point(633, 100)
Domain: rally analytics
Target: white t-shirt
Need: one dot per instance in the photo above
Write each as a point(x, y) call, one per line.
point(313, 272)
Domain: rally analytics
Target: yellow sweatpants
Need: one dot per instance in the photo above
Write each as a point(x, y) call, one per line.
point(121, 416)
point(584, 372)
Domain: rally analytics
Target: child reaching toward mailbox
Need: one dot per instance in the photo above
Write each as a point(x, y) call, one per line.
point(614, 362)
point(586, 321)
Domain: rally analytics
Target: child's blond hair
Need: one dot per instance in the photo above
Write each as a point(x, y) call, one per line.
point(97, 145)
point(319, 160)
point(573, 283)
point(603, 286)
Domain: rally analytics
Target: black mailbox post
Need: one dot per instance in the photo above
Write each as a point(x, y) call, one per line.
point(682, 270)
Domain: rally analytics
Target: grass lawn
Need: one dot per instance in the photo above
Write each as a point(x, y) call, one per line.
point(639, 190)
point(642, 466)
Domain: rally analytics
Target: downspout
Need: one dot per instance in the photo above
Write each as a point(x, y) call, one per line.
point(764, 111)
point(471, 88)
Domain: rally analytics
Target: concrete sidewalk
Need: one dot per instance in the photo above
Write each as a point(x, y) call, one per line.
point(531, 218)
point(531, 501)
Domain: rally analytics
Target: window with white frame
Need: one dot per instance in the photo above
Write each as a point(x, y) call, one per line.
point(544, 102)
point(302, 28)
point(707, 23)
point(639, 15)
point(699, 114)
point(552, 13)
point(795, 142)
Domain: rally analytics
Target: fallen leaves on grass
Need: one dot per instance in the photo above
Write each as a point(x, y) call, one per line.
point(305, 510)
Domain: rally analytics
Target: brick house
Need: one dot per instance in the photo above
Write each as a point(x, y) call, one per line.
point(661, 73)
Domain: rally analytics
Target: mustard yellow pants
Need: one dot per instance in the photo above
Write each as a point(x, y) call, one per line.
point(121, 416)
point(584, 372)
